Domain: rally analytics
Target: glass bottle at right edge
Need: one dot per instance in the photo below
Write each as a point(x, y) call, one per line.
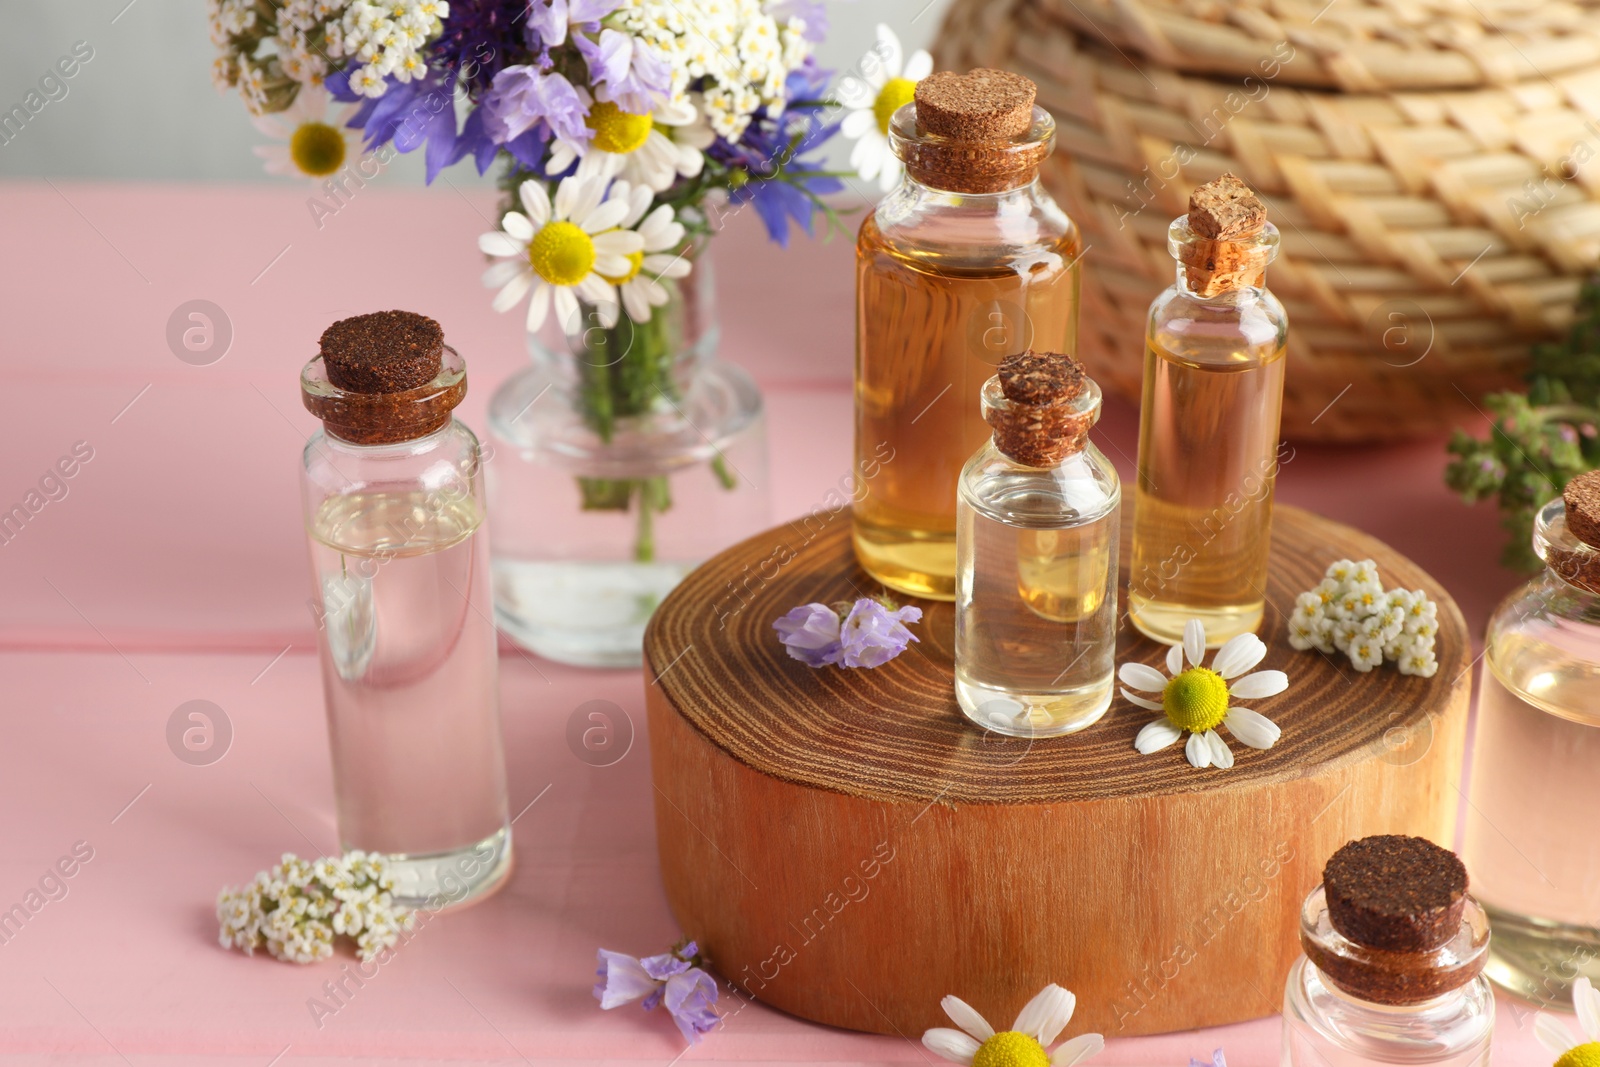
point(1208, 425)
point(1535, 788)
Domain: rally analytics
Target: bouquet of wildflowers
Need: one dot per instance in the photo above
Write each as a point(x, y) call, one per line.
point(625, 129)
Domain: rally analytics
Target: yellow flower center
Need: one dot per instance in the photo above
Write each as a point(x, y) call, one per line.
point(635, 263)
point(1012, 1049)
point(1582, 1056)
point(561, 253)
point(615, 130)
point(316, 148)
point(895, 93)
point(1196, 700)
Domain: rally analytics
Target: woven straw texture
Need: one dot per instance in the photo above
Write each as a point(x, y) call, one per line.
point(1428, 236)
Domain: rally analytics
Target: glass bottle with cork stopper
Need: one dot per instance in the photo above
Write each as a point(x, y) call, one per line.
point(393, 493)
point(1394, 953)
point(1536, 761)
point(1037, 520)
point(1208, 424)
point(966, 262)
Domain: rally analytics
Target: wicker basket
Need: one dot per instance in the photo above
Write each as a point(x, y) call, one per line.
point(1430, 173)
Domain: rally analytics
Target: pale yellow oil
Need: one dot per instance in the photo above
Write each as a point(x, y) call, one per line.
point(1208, 461)
point(930, 332)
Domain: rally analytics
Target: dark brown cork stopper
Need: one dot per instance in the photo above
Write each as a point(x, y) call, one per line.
point(1399, 894)
point(1042, 425)
point(1582, 497)
point(1226, 217)
point(981, 105)
point(384, 352)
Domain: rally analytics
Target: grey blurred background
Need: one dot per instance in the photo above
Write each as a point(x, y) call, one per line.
point(143, 108)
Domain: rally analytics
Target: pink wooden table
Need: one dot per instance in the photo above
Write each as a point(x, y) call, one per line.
point(173, 569)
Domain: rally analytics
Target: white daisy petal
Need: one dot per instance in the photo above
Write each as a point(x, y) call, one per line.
point(666, 266)
point(518, 226)
point(1143, 677)
point(1238, 655)
point(919, 66)
point(514, 290)
point(1198, 751)
point(1175, 660)
point(889, 52)
point(1142, 702)
point(637, 302)
point(1252, 728)
point(538, 305)
point(1586, 1002)
point(597, 290)
point(618, 242)
point(500, 245)
point(1047, 1014)
point(1259, 684)
point(1194, 641)
point(1156, 736)
point(1221, 754)
point(1077, 1050)
point(607, 215)
point(953, 1045)
point(535, 202)
point(568, 315)
point(501, 273)
point(1552, 1034)
point(857, 123)
point(966, 1016)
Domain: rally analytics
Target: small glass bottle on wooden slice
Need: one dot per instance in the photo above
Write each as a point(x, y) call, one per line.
point(967, 262)
point(393, 493)
point(1208, 424)
point(1392, 972)
point(1037, 522)
point(1535, 788)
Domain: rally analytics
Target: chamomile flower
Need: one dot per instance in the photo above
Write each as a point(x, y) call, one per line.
point(641, 149)
point(1196, 701)
point(1574, 1052)
point(640, 286)
point(562, 251)
point(887, 81)
point(308, 142)
point(1038, 1024)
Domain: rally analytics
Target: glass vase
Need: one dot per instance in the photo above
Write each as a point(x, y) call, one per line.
point(622, 458)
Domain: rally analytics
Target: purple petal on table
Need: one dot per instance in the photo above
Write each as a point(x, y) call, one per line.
point(691, 998)
point(872, 635)
point(623, 980)
point(663, 966)
point(811, 634)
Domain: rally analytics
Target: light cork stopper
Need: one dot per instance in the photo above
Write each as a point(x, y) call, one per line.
point(981, 105)
point(1042, 424)
point(1225, 216)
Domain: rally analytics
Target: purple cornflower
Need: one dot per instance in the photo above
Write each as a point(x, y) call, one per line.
point(411, 114)
point(625, 71)
point(671, 978)
point(522, 97)
point(811, 634)
point(550, 19)
point(479, 39)
point(872, 635)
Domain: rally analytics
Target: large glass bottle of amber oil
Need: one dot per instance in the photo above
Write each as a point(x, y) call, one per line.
point(967, 262)
point(1208, 428)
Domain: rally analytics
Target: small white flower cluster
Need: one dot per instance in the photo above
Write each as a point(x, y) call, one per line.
point(744, 52)
point(1349, 611)
point(297, 908)
point(268, 56)
point(302, 38)
point(386, 38)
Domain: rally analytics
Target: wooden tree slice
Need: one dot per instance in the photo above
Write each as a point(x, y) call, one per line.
point(848, 848)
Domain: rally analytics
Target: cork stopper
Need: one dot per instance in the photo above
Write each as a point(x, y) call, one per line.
point(1582, 497)
point(981, 105)
point(383, 378)
point(384, 352)
point(1399, 894)
point(977, 132)
point(1225, 220)
point(1045, 407)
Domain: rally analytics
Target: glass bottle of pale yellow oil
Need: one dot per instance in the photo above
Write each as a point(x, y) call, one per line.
point(1036, 548)
point(967, 262)
point(1208, 424)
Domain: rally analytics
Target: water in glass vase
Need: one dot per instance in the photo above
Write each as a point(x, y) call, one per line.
point(1208, 461)
point(409, 676)
point(1535, 787)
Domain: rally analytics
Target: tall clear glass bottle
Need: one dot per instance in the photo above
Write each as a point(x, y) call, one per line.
point(967, 262)
point(393, 495)
point(1535, 786)
point(1379, 992)
point(1037, 522)
point(1208, 428)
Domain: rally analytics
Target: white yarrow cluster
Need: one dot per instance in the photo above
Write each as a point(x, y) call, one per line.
point(744, 52)
point(1350, 612)
point(302, 42)
point(386, 39)
point(296, 909)
point(268, 55)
